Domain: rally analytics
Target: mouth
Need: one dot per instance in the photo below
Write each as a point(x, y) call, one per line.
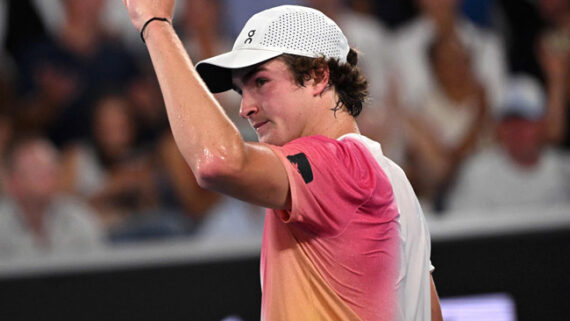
point(256, 126)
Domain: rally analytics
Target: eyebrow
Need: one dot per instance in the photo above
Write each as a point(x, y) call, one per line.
point(245, 78)
point(252, 73)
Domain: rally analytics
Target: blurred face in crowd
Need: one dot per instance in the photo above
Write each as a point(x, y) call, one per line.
point(451, 62)
point(522, 139)
point(113, 127)
point(34, 172)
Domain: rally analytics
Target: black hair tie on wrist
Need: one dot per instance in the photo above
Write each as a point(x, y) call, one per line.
point(149, 21)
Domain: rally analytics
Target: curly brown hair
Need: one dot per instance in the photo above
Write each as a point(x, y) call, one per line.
point(347, 79)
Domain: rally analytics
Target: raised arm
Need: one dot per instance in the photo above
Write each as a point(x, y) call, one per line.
point(208, 140)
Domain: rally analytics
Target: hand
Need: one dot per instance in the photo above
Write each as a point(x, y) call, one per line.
point(141, 11)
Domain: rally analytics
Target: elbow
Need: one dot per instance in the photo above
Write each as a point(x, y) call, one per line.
point(216, 171)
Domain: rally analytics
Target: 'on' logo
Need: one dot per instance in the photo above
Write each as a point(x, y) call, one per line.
point(250, 34)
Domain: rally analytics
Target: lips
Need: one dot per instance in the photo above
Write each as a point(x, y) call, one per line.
point(259, 124)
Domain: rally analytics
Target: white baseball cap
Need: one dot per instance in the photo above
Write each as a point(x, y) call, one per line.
point(284, 29)
point(524, 98)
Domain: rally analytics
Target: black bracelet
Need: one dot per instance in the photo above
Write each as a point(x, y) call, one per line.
point(149, 21)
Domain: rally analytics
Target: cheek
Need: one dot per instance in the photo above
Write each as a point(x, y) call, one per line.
point(289, 112)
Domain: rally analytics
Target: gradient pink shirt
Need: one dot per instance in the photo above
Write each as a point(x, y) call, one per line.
point(335, 254)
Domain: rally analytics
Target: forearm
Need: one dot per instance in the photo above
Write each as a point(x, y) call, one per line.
point(203, 133)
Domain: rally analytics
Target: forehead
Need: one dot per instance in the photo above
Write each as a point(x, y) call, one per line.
point(274, 66)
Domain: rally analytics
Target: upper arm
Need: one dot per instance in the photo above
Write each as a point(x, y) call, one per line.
point(260, 178)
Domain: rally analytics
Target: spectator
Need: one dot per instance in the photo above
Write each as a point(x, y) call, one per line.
point(109, 170)
point(118, 176)
point(521, 170)
point(61, 75)
point(440, 17)
point(35, 216)
point(449, 124)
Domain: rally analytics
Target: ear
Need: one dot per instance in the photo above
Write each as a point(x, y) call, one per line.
point(320, 79)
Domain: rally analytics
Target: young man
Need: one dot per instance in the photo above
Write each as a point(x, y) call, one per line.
point(344, 236)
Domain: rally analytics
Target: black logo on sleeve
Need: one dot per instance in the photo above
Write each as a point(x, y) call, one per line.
point(303, 167)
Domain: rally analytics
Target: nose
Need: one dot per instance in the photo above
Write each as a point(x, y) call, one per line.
point(248, 107)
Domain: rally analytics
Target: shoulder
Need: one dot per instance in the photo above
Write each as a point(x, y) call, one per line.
point(344, 160)
point(320, 147)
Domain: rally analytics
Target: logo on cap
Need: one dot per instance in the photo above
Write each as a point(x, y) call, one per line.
point(250, 34)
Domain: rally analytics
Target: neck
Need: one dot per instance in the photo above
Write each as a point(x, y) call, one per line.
point(330, 123)
point(344, 124)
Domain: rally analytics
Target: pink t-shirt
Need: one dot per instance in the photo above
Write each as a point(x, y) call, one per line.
point(335, 254)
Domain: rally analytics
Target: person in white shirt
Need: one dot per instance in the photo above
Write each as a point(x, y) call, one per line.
point(521, 170)
point(439, 17)
point(36, 219)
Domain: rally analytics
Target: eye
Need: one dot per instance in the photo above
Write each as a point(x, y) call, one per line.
point(260, 81)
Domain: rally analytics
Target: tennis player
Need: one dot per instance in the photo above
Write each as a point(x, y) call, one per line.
point(344, 235)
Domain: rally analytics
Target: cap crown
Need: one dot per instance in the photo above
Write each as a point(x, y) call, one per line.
point(294, 30)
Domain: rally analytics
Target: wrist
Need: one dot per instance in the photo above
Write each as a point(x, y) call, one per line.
point(148, 23)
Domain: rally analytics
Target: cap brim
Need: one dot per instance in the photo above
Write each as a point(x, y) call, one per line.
point(217, 71)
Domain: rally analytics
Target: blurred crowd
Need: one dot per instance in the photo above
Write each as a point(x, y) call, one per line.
point(470, 97)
